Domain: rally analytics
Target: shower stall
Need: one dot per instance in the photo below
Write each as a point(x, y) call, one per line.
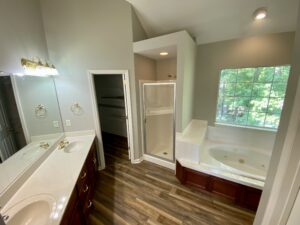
point(158, 100)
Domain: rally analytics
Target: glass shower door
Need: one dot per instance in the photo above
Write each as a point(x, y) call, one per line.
point(159, 119)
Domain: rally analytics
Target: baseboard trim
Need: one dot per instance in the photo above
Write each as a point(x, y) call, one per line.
point(137, 161)
point(160, 162)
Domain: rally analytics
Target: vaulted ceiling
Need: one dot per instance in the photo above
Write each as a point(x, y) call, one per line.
point(215, 20)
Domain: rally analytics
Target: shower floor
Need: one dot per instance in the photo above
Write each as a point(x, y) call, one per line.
point(165, 152)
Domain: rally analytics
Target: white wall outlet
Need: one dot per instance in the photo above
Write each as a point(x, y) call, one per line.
point(55, 124)
point(68, 123)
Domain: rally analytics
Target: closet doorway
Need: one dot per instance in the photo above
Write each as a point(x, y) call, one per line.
point(112, 113)
point(12, 137)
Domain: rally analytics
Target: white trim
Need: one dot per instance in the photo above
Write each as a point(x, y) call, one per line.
point(141, 82)
point(20, 109)
point(218, 124)
point(142, 109)
point(96, 118)
point(160, 162)
point(292, 197)
point(137, 161)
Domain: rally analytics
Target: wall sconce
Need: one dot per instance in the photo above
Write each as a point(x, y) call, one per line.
point(38, 68)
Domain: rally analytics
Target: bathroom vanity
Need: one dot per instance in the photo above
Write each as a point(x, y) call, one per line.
point(80, 202)
point(60, 190)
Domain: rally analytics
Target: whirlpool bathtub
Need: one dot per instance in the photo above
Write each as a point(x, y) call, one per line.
point(240, 161)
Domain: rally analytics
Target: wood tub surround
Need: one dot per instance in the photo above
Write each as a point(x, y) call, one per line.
point(239, 194)
point(80, 203)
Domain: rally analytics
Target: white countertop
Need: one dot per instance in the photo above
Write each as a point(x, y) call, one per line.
point(56, 177)
point(12, 168)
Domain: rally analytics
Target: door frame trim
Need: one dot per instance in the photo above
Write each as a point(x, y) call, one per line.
point(20, 109)
point(96, 117)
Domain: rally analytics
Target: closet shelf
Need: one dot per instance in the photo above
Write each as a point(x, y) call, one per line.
point(111, 106)
point(113, 97)
point(159, 111)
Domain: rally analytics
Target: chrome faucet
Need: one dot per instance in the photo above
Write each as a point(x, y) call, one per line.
point(44, 145)
point(63, 144)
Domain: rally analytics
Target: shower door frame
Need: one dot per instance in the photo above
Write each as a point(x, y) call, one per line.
point(157, 83)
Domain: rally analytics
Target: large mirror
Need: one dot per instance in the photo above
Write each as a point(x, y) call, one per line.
point(30, 123)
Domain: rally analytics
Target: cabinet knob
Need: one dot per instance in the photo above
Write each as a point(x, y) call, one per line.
point(90, 204)
point(83, 175)
point(86, 189)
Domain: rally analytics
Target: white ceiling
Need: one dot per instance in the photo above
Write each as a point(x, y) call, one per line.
point(154, 53)
point(215, 20)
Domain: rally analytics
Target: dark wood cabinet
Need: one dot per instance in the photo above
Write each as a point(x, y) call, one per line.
point(239, 194)
point(80, 203)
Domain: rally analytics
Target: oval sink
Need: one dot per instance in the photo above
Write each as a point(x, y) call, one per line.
point(74, 146)
point(33, 211)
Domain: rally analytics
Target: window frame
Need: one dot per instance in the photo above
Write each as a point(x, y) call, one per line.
point(253, 127)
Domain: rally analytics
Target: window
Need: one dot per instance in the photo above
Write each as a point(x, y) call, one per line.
point(252, 97)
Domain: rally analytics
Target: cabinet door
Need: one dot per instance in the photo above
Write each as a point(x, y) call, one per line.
point(77, 216)
point(88, 205)
point(70, 208)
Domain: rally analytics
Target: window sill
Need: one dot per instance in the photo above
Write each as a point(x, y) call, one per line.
point(245, 127)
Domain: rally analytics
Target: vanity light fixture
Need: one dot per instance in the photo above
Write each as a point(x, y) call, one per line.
point(36, 67)
point(164, 53)
point(260, 13)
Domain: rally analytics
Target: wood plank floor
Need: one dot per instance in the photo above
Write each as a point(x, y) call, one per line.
point(149, 194)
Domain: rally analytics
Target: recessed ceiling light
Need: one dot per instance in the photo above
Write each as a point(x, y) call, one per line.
point(260, 13)
point(164, 53)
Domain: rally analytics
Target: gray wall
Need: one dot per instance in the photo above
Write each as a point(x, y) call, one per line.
point(81, 37)
point(267, 50)
point(145, 68)
point(166, 68)
point(32, 92)
point(137, 29)
point(187, 83)
point(22, 33)
point(283, 163)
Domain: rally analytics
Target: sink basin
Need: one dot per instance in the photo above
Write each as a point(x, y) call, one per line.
point(32, 211)
point(74, 146)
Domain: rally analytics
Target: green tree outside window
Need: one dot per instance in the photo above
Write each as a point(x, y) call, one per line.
point(252, 97)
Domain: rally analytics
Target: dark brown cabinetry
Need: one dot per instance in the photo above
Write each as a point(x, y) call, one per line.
point(80, 203)
point(239, 194)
